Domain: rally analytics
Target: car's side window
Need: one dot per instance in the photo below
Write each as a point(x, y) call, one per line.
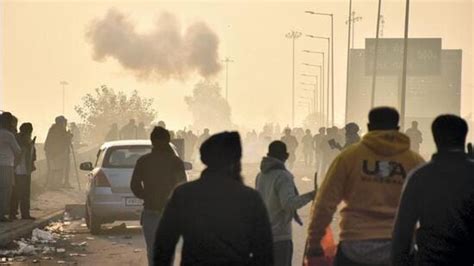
point(100, 157)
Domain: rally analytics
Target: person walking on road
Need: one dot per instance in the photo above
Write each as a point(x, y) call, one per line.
point(26, 165)
point(221, 221)
point(416, 137)
point(291, 144)
point(279, 193)
point(439, 198)
point(57, 147)
point(368, 177)
point(129, 131)
point(9, 152)
point(308, 148)
point(155, 176)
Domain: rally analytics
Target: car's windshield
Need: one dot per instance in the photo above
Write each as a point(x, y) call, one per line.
point(124, 157)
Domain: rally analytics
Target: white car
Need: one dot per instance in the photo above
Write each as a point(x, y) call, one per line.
point(109, 197)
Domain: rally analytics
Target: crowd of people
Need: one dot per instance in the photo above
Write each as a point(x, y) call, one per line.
point(17, 162)
point(398, 209)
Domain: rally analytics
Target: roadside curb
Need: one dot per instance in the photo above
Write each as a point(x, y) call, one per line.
point(23, 230)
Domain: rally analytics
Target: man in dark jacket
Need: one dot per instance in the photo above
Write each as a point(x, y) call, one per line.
point(155, 176)
point(278, 190)
point(440, 197)
point(57, 147)
point(222, 221)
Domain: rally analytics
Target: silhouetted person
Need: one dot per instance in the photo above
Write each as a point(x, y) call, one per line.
point(191, 140)
point(329, 150)
point(57, 148)
point(9, 152)
point(308, 149)
point(24, 168)
point(351, 136)
point(113, 133)
point(438, 203)
point(129, 131)
point(203, 137)
point(291, 144)
point(318, 140)
point(141, 131)
point(368, 177)
point(155, 176)
point(279, 193)
point(221, 221)
point(416, 137)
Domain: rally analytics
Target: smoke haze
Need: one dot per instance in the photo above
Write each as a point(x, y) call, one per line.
point(164, 53)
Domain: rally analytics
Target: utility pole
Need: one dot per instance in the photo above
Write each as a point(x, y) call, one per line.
point(63, 85)
point(331, 53)
point(353, 19)
point(348, 56)
point(382, 24)
point(405, 60)
point(376, 49)
point(227, 61)
point(293, 35)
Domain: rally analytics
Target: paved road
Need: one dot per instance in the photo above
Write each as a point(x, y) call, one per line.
point(124, 245)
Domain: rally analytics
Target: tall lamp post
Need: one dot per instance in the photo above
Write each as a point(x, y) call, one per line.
point(332, 56)
point(321, 87)
point(326, 112)
point(348, 56)
point(354, 20)
point(315, 88)
point(332, 92)
point(376, 49)
point(63, 85)
point(227, 61)
point(293, 35)
point(405, 60)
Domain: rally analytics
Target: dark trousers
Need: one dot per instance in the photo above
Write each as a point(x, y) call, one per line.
point(342, 260)
point(21, 196)
point(283, 252)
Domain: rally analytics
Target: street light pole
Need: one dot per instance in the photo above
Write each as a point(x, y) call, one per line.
point(405, 60)
point(332, 61)
point(63, 85)
point(348, 56)
point(293, 35)
point(227, 61)
point(354, 20)
point(376, 49)
point(324, 106)
point(321, 88)
point(328, 94)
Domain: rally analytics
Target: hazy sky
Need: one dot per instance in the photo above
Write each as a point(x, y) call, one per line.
point(44, 42)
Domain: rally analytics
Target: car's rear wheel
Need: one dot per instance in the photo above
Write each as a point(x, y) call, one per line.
point(93, 222)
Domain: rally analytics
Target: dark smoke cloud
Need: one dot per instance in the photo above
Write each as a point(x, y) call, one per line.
point(165, 52)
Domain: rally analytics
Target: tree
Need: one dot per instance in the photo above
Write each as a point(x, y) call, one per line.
point(100, 109)
point(209, 108)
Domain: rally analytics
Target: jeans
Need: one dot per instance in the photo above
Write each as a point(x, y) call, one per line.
point(283, 252)
point(343, 260)
point(6, 185)
point(21, 195)
point(150, 220)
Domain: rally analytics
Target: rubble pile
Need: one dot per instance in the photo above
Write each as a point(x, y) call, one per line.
point(44, 244)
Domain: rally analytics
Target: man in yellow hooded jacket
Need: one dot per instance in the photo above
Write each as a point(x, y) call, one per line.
point(367, 177)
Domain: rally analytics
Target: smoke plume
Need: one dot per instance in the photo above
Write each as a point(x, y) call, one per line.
point(165, 52)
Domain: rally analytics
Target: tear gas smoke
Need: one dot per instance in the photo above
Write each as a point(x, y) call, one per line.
point(165, 52)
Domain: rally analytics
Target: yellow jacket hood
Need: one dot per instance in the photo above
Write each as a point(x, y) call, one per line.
point(386, 142)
